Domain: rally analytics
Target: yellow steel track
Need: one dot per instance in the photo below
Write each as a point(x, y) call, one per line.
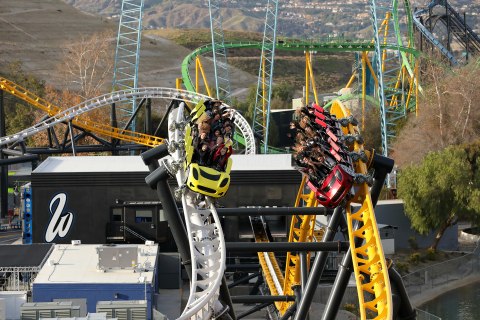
point(268, 262)
point(372, 261)
point(302, 229)
point(89, 126)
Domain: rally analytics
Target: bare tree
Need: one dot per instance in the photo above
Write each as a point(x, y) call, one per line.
point(446, 115)
point(87, 63)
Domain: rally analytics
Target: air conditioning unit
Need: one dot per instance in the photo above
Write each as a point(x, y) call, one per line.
point(42, 310)
point(149, 243)
point(124, 310)
point(76, 242)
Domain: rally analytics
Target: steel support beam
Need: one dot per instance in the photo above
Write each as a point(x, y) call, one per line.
point(243, 280)
point(303, 270)
point(113, 123)
point(88, 148)
point(10, 161)
point(165, 117)
point(254, 309)
point(158, 181)
point(259, 299)
point(338, 246)
point(72, 138)
point(148, 117)
point(281, 211)
point(383, 166)
point(4, 169)
point(130, 121)
point(318, 266)
point(256, 286)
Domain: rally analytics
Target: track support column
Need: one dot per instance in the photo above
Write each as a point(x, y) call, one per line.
point(383, 166)
point(157, 180)
point(318, 266)
point(4, 169)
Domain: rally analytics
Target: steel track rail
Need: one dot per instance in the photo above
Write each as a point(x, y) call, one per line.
point(125, 95)
point(89, 126)
point(368, 260)
point(206, 240)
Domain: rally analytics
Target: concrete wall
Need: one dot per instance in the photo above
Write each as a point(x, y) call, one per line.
point(392, 212)
point(93, 292)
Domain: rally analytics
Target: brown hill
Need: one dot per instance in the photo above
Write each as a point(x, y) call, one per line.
point(33, 31)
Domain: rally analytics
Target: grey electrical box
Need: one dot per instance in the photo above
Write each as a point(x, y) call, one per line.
point(124, 310)
point(117, 257)
point(37, 310)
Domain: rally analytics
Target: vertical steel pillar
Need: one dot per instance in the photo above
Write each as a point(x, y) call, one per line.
point(222, 79)
point(261, 115)
point(158, 180)
point(448, 28)
point(466, 34)
point(4, 169)
point(383, 166)
point(72, 138)
point(148, 117)
point(318, 266)
point(389, 69)
point(127, 54)
point(113, 123)
point(430, 22)
point(303, 270)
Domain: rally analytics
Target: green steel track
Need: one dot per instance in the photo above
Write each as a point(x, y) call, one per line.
point(321, 44)
point(326, 44)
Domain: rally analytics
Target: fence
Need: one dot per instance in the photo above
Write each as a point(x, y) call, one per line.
point(424, 315)
point(439, 274)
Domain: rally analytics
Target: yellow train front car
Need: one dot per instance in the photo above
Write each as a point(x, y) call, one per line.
point(208, 181)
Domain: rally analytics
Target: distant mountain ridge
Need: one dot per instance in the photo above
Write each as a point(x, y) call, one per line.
point(186, 15)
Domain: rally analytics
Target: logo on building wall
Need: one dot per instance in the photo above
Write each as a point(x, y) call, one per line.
point(61, 221)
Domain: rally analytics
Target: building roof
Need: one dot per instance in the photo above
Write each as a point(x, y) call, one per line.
point(78, 264)
point(92, 164)
point(23, 255)
point(135, 163)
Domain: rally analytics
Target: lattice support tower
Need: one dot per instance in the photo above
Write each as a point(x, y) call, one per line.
point(222, 79)
point(261, 116)
point(127, 55)
point(388, 66)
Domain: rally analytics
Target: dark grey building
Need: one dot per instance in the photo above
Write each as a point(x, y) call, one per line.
point(100, 199)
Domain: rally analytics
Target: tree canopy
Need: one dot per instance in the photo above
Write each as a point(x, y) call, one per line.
point(443, 188)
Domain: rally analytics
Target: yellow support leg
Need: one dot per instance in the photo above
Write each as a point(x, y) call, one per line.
point(368, 259)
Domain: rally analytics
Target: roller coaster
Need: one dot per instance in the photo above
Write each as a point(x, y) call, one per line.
point(201, 241)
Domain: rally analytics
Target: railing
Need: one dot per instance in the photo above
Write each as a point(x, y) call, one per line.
point(424, 315)
point(426, 279)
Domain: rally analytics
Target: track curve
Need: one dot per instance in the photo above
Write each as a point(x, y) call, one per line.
point(125, 95)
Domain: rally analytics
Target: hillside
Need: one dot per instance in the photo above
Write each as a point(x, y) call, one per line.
point(33, 31)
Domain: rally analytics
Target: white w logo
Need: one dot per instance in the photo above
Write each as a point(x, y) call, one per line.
point(60, 221)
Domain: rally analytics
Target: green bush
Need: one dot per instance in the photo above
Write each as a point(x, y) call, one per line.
point(413, 243)
point(423, 259)
point(431, 254)
point(351, 308)
point(414, 258)
point(402, 267)
point(370, 315)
